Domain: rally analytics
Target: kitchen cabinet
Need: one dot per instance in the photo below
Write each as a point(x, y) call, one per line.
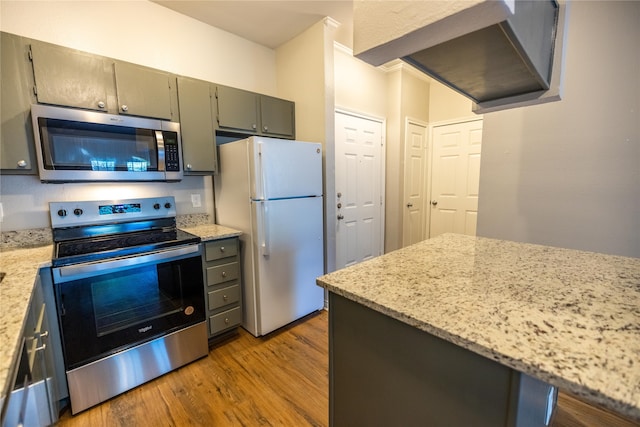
point(237, 109)
point(222, 285)
point(248, 112)
point(72, 78)
point(17, 155)
point(199, 152)
point(77, 79)
point(38, 387)
point(143, 91)
point(277, 117)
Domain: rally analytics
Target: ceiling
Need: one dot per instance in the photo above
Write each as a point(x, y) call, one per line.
point(266, 22)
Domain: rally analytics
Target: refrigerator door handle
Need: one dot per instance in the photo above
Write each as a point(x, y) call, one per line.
point(264, 241)
point(260, 173)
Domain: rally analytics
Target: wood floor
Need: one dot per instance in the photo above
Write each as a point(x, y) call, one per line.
point(280, 380)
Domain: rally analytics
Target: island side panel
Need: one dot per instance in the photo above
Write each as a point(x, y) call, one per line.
point(383, 372)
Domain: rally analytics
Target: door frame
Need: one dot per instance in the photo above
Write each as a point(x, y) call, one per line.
point(430, 137)
point(332, 221)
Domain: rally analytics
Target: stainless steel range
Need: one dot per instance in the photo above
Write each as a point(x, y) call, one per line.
point(129, 294)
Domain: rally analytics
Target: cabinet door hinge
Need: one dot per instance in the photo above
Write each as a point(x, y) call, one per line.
point(30, 53)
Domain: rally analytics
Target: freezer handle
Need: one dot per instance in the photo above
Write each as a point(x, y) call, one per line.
point(264, 239)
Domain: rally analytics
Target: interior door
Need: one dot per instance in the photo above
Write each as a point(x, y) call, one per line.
point(415, 157)
point(359, 182)
point(455, 178)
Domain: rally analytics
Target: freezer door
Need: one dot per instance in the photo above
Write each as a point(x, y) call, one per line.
point(283, 169)
point(289, 255)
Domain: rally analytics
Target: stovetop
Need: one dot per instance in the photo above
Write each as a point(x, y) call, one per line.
point(99, 230)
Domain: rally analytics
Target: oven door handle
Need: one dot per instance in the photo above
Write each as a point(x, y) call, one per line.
point(74, 272)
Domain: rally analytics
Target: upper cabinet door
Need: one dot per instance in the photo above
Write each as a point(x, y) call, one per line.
point(196, 126)
point(143, 91)
point(16, 138)
point(277, 117)
point(69, 77)
point(237, 109)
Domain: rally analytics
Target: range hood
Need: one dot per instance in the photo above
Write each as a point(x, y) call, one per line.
point(487, 50)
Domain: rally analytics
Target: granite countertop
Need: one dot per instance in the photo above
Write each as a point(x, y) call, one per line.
point(568, 317)
point(21, 266)
point(21, 269)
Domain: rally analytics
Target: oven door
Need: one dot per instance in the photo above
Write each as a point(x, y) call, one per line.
point(108, 306)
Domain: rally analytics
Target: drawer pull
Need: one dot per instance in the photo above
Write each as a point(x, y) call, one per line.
point(226, 320)
point(224, 297)
point(221, 248)
point(224, 274)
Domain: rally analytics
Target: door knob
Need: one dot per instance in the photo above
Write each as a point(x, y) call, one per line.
point(340, 217)
point(434, 202)
point(409, 205)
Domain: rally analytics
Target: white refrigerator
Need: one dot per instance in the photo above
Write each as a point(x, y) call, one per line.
point(271, 190)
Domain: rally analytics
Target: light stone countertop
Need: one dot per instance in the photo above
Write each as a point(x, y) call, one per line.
point(570, 318)
point(21, 269)
point(21, 266)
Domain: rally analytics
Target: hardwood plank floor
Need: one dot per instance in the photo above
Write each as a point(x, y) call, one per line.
point(280, 380)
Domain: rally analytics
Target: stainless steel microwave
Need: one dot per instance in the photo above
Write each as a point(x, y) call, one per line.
point(78, 145)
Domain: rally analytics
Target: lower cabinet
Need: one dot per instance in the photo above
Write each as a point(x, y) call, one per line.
point(38, 382)
point(222, 285)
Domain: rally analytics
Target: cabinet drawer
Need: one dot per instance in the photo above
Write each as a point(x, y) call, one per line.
point(224, 320)
point(222, 273)
point(224, 296)
point(220, 249)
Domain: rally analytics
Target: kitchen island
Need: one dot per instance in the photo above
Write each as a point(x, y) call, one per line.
point(566, 318)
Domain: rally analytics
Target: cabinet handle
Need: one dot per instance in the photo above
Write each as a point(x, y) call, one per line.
point(253, 126)
point(266, 128)
point(226, 320)
point(42, 347)
point(125, 108)
point(22, 163)
point(221, 248)
point(101, 104)
point(189, 166)
point(224, 297)
point(224, 274)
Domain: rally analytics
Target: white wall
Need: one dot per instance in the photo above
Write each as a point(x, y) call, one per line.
point(567, 173)
point(141, 32)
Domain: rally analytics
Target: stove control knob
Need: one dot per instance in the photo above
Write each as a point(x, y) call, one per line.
point(77, 211)
point(167, 205)
point(156, 206)
point(62, 213)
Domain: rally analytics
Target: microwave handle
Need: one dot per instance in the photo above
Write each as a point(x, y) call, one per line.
point(74, 272)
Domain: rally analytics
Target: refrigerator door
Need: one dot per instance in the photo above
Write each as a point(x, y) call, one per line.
point(288, 253)
point(283, 169)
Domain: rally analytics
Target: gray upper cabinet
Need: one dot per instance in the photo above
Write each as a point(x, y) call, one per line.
point(248, 112)
point(73, 78)
point(277, 117)
point(17, 154)
point(69, 77)
point(237, 109)
point(143, 91)
point(196, 126)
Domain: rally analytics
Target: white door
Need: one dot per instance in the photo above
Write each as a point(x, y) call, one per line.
point(415, 156)
point(359, 189)
point(455, 178)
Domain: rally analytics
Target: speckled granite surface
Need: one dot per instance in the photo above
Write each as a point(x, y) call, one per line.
point(567, 317)
point(21, 264)
point(21, 268)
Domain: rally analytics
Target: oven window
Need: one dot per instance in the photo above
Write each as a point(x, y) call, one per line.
point(149, 293)
point(69, 145)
